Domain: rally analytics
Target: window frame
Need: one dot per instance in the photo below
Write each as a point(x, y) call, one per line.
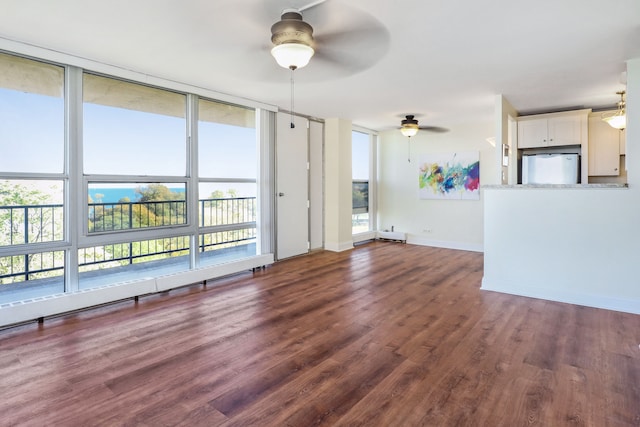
point(204, 230)
point(76, 184)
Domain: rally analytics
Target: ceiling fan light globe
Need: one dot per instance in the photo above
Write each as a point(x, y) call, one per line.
point(409, 130)
point(292, 55)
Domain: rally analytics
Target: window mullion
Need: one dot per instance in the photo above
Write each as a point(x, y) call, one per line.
point(73, 167)
point(193, 196)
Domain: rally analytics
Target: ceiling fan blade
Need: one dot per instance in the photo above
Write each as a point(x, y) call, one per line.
point(434, 129)
point(355, 50)
point(352, 46)
point(311, 5)
point(346, 41)
point(275, 7)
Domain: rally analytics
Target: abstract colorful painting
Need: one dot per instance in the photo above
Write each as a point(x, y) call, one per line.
point(450, 176)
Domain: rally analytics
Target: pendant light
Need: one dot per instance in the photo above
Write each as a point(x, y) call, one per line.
point(617, 120)
point(292, 39)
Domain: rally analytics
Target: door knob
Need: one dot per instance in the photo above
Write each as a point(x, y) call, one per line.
point(280, 194)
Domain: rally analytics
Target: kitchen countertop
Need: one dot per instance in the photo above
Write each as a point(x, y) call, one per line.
point(554, 186)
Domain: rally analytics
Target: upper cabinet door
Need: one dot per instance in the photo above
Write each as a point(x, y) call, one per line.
point(604, 148)
point(532, 133)
point(564, 130)
point(552, 130)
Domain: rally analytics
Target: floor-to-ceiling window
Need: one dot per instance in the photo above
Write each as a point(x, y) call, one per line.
point(363, 181)
point(227, 170)
point(134, 166)
point(105, 181)
point(33, 177)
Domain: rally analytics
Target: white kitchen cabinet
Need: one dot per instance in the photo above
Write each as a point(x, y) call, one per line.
point(552, 130)
point(604, 147)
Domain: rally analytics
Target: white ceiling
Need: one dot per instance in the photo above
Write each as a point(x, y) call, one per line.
point(442, 60)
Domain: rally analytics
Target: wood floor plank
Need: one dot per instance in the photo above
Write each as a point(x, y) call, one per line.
point(384, 335)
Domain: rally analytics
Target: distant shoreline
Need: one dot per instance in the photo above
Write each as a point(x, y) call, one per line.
point(114, 195)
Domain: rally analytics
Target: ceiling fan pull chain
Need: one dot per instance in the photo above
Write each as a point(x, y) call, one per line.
point(409, 149)
point(293, 125)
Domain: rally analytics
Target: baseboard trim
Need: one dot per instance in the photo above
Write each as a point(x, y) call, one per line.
point(339, 247)
point(461, 246)
point(577, 298)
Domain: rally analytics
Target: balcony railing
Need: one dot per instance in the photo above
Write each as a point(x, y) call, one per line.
point(31, 224)
point(237, 210)
point(223, 223)
point(132, 215)
point(360, 196)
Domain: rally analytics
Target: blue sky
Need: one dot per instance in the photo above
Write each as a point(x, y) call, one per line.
point(117, 141)
point(31, 132)
point(360, 155)
point(127, 142)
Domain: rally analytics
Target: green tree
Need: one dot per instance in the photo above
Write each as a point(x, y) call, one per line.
point(157, 193)
point(218, 194)
point(12, 194)
point(20, 206)
point(162, 212)
point(24, 219)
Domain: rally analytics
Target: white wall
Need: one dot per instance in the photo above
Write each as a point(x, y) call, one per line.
point(573, 245)
point(454, 224)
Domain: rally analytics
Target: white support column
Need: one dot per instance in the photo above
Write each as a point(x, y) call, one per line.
point(338, 192)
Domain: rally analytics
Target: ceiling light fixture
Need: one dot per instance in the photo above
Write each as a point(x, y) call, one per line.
point(292, 55)
point(618, 119)
point(409, 126)
point(292, 39)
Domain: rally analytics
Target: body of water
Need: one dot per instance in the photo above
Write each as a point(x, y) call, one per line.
point(113, 195)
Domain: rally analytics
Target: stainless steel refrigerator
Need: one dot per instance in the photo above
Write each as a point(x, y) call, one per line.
point(551, 169)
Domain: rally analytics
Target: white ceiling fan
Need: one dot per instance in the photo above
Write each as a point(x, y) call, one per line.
point(345, 40)
point(294, 44)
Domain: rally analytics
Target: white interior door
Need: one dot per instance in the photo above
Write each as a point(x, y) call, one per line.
point(292, 187)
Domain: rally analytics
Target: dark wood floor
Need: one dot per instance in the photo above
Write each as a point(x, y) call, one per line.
point(385, 335)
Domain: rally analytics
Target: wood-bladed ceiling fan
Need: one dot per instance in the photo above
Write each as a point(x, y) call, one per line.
point(409, 127)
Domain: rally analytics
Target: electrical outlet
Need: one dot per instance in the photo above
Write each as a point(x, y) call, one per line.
point(427, 230)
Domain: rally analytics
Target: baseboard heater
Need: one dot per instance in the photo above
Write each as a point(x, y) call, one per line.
point(52, 305)
point(396, 236)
